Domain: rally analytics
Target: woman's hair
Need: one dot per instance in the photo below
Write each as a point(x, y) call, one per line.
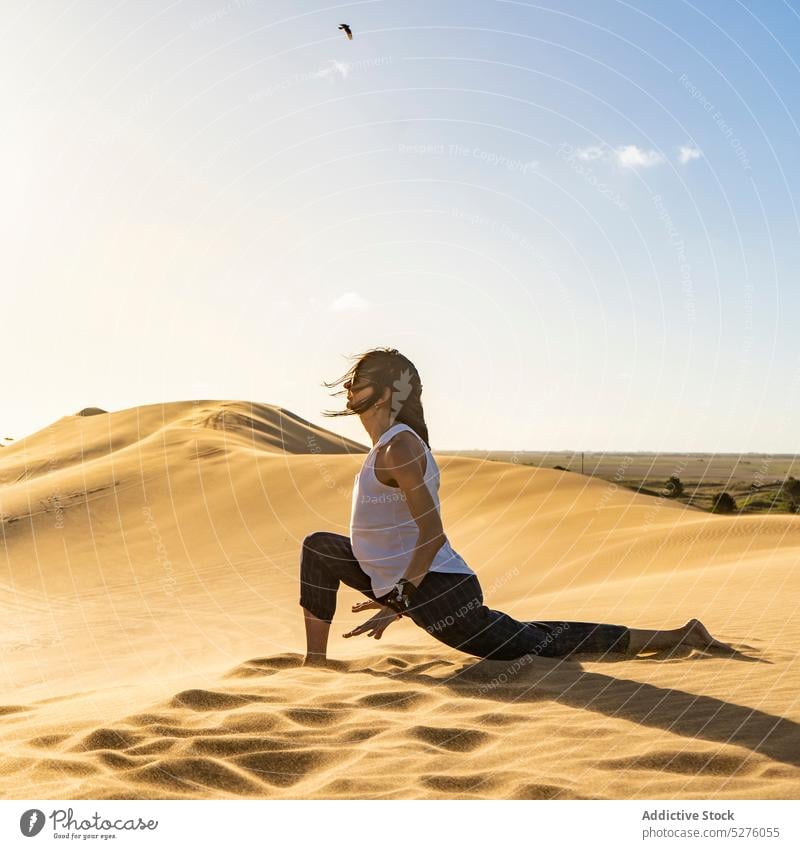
point(387, 367)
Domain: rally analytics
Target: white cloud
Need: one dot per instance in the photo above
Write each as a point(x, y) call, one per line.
point(689, 153)
point(349, 302)
point(340, 68)
point(631, 156)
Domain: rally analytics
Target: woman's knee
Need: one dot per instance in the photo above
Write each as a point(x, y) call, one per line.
point(315, 546)
point(312, 541)
point(312, 562)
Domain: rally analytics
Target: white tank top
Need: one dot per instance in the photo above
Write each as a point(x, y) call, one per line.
point(383, 532)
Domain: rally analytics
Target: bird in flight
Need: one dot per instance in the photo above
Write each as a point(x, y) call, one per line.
point(347, 31)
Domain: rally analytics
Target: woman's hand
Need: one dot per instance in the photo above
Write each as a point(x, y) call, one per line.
point(377, 624)
point(367, 605)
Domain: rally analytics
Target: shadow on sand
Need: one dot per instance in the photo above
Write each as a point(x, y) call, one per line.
point(531, 680)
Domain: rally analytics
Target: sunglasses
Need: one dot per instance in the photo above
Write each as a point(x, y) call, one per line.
point(348, 384)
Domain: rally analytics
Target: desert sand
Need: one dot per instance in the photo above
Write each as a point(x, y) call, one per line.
point(152, 636)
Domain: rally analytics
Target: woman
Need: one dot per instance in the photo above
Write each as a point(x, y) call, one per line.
point(397, 553)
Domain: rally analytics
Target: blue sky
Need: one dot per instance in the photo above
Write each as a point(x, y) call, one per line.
point(579, 219)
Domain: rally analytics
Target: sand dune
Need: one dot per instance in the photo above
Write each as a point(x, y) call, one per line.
point(152, 635)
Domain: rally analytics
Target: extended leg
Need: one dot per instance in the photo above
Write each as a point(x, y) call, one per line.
point(450, 608)
point(693, 634)
point(655, 640)
point(566, 637)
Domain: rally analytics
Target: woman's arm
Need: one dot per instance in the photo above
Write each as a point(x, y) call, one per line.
point(403, 459)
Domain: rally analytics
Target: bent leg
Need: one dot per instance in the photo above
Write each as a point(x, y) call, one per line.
point(317, 631)
point(328, 560)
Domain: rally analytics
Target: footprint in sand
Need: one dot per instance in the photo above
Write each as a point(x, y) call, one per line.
point(116, 760)
point(452, 739)
point(277, 661)
point(477, 783)
point(108, 738)
point(152, 719)
point(399, 700)
point(360, 735)
point(316, 716)
point(284, 768)
point(499, 719)
point(232, 745)
point(545, 791)
point(211, 700)
point(191, 774)
point(154, 747)
point(253, 723)
point(688, 763)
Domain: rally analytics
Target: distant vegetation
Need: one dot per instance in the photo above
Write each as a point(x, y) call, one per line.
point(791, 493)
point(736, 496)
point(738, 483)
point(723, 502)
point(674, 487)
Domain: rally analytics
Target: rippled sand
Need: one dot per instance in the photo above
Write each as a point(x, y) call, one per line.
point(152, 635)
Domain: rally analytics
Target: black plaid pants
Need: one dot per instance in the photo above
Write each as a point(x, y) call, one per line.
point(449, 606)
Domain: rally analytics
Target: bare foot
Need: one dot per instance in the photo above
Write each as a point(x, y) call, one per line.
point(327, 663)
point(698, 637)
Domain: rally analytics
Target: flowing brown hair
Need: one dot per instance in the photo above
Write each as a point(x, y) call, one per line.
point(387, 367)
